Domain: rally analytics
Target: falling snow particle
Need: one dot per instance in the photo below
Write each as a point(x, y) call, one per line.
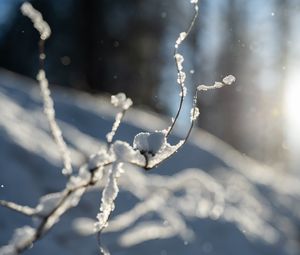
point(163, 15)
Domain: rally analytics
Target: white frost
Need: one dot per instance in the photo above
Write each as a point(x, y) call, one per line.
point(125, 153)
point(111, 134)
point(22, 236)
point(228, 80)
point(179, 40)
point(98, 159)
point(181, 77)
point(165, 152)
point(109, 195)
point(179, 60)
point(149, 143)
point(183, 92)
point(55, 130)
point(8, 250)
point(194, 113)
point(120, 100)
point(37, 19)
point(48, 203)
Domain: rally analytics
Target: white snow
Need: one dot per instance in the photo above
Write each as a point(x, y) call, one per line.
point(120, 100)
point(55, 130)
point(195, 112)
point(20, 237)
point(111, 134)
point(179, 60)
point(109, 195)
point(125, 153)
point(206, 189)
point(228, 80)
point(98, 159)
point(8, 250)
point(48, 203)
point(180, 39)
point(37, 19)
point(149, 143)
point(181, 77)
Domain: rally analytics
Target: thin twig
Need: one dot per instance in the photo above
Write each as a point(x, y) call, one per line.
point(181, 84)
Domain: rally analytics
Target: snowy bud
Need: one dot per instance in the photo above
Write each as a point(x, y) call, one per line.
point(149, 143)
point(120, 100)
point(228, 80)
point(37, 19)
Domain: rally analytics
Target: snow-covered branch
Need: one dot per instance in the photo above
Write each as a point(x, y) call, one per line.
point(147, 151)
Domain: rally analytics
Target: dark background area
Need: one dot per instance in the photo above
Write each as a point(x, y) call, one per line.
point(105, 46)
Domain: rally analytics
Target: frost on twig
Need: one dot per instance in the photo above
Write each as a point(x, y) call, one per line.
point(55, 130)
point(43, 28)
point(109, 195)
point(194, 113)
point(154, 147)
point(228, 80)
point(37, 19)
point(26, 210)
point(181, 75)
point(21, 237)
point(148, 151)
point(121, 101)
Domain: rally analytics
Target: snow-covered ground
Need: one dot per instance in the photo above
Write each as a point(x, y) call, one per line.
point(207, 199)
